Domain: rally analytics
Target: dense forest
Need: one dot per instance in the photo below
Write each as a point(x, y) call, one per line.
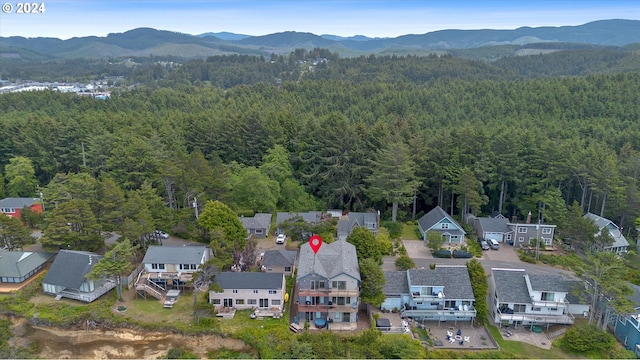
point(538, 133)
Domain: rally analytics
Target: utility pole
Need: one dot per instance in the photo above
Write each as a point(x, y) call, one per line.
point(195, 205)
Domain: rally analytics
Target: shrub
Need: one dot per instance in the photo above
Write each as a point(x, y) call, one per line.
point(404, 263)
point(587, 338)
point(395, 229)
point(443, 254)
point(459, 254)
point(526, 258)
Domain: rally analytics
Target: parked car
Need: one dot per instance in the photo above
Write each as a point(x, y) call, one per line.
point(281, 238)
point(162, 234)
point(484, 245)
point(494, 244)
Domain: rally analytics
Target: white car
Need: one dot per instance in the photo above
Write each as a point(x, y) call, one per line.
point(162, 234)
point(281, 238)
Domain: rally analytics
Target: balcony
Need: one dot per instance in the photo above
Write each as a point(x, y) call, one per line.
point(537, 318)
point(440, 313)
point(326, 308)
point(329, 292)
point(550, 304)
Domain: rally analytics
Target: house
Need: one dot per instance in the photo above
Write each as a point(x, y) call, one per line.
point(524, 234)
point(279, 261)
point(439, 221)
point(496, 228)
point(368, 220)
point(311, 217)
point(18, 268)
point(67, 277)
point(249, 290)
point(519, 298)
point(620, 245)
point(440, 294)
point(328, 285)
point(258, 225)
point(168, 267)
point(13, 205)
point(626, 327)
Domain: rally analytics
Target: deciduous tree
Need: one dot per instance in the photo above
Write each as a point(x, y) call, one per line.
point(372, 281)
point(225, 231)
point(21, 179)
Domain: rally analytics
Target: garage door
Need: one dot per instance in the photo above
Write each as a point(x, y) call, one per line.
point(494, 236)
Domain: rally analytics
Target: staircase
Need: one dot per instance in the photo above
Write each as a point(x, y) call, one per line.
point(146, 286)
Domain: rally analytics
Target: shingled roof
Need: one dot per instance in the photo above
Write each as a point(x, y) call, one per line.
point(249, 280)
point(396, 283)
point(17, 203)
point(174, 254)
point(20, 263)
point(428, 220)
point(332, 259)
point(70, 268)
point(279, 258)
point(455, 279)
point(511, 286)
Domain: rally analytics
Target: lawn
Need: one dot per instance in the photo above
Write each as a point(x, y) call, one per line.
point(409, 232)
point(151, 310)
point(241, 320)
point(526, 351)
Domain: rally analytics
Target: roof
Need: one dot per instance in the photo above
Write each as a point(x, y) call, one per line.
point(279, 258)
point(555, 283)
point(338, 257)
point(70, 267)
point(249, 280)
point(17, 203)
point(174, 254)
point(576, 292)
point(21, 263)
point(258, 221)
point(396, 283)
point(618, 239)
point(511, 286)
point(434, 216)
point(494, 225)
point(455, 279)
point(356, 219)
point(310, 216)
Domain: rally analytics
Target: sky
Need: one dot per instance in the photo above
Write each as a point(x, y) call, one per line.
point(65, 19)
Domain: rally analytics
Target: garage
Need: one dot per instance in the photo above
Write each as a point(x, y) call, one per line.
point(494, 235)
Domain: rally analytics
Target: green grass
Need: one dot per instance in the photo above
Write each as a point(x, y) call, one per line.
point(241, 320)
point(409, 232)
point(152, 310)
point(527, 351)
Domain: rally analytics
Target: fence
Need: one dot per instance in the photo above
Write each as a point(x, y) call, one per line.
point(130, 280)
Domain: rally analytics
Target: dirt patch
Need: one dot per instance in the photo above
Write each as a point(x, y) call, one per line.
point(116, 344)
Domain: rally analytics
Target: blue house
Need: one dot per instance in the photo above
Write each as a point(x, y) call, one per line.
point(440, 294)
point(627, 326)
point(439, 221)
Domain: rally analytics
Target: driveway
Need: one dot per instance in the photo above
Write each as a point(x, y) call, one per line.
point(506, 253)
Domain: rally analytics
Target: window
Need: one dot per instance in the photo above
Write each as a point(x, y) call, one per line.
point(194, 267)
point(239, 301)
point(522, 230)
point(444, 226)
point(536, 309)
point(235, 291)
point(546, 231)
point(185, 266)
point(318, 284)
point(547, 296)
point(340, 285)
point(519, 308)
point(8, 210)
point(547, 241)
point(252, 301)
point(508, 237)
point(259, 231)
point(275, 302)
point(521, 239)
point(157, 266)
point(272, 292)
point(553, 309)
point(216, 301)
point(255, 291)
point(287, 268)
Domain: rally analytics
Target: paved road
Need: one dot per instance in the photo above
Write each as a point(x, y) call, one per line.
point(505, 257)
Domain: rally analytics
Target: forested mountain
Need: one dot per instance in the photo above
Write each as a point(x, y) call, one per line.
point(145, 42)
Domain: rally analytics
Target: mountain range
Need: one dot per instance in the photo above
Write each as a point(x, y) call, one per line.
point(147, 41)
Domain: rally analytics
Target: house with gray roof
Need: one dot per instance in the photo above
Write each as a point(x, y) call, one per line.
point(368, 220)
point(620, 244)
point(520, 298)
point(67, 277)
point(496, 228)
point(328, 285)
point(248, 290)
point(170, 267)
point(12, 206)
point(440, 294)
point(279, 261)
point(258, 225)
point(18, 267)
point(437, 220)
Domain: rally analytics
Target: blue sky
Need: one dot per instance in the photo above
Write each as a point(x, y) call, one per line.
point(74, 18)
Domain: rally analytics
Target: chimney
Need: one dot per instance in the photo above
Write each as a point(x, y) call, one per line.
point(529, 218)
